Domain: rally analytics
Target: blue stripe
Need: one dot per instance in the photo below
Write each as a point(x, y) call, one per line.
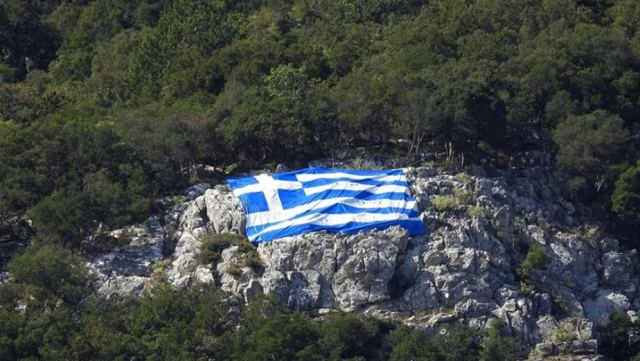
point(296, 198)
point(370, 182)
point(413, 227)
point(337, 209)
point(237, 183)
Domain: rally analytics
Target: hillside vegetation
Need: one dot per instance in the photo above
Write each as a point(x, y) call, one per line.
point(106, 105)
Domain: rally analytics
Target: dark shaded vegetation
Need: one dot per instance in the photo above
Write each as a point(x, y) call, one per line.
point(212, 244)
point(47, 312)
point(619, 337)
point(536, 258)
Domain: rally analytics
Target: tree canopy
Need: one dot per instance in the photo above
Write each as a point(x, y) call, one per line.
point(106, 104)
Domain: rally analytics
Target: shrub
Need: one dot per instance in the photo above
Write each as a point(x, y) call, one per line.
point(359, 163)
point(250, 256)
point(212, 245)
point(536, 258)
point(464, 178)
point(616, 336)
point(476, 211)
point(444, 203)
point(449, 202)
point(569, 330)
point(157, 274)
point(588, 146)
point(464, 197)
point(50, 273)
point(625, 201)
point(526, 287)
point(564, 332)
point(347, 336)
point(498, 348)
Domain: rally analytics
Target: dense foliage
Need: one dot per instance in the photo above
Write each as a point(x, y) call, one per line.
point(45, 313)
point(106, 104)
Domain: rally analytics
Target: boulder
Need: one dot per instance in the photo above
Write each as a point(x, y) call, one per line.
point(599, 308)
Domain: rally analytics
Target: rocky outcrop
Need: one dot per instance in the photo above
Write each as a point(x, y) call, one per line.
point(467, 268)
point(164, 247)
point(124, 271)
point(216, 209)
point(324, 271)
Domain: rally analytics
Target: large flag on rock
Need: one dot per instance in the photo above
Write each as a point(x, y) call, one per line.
point(336, 200)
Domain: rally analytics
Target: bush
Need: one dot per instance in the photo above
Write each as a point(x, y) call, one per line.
point(589, 145)
point(61, 218)
point(284, 336)
point(616, 337)
point(212, 245)
point(464, 178)
point(464, 197)
point(449, 202)
point(444, 203)
point(456, 343)
point(625, 200)
point(50, 273)
point(569, 330)
point(536, 258)
point(157, 273)
point(348, 336)
point(496, 347)
point(476, 211)
point(565, 332)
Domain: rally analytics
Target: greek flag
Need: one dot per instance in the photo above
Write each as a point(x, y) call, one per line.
point(336, 200)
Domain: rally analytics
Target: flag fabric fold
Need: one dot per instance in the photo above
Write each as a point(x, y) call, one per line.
point(336, 200)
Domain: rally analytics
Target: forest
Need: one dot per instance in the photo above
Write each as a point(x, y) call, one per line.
point(106, 105)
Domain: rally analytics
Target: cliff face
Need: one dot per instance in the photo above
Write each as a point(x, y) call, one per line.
point(467, 268)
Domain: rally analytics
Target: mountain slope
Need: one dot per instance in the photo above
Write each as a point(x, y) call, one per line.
point(506, 247)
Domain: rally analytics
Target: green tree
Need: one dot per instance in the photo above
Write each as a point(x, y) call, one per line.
point(348, 336)
point(283, 336)
point(410, 344)
point(589, 145)
point(61, 217)
point(616, 336)
point(50, 273)
point(498, 348)
point(625, 200)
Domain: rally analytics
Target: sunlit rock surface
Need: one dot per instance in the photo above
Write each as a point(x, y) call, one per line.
point(467, 268)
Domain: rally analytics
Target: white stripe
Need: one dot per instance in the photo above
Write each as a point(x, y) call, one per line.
point(386, 178)
point(279, 184)
point(260, 218)
point(351, 186)
point(305, 177)
point(322, 219)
